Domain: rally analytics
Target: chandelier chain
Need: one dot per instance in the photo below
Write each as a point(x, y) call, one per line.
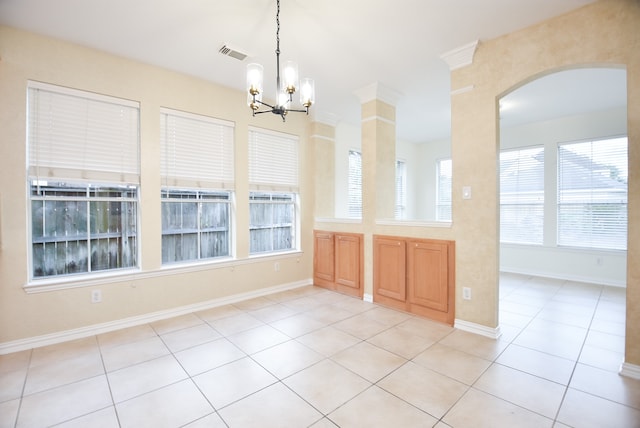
point(278, 29)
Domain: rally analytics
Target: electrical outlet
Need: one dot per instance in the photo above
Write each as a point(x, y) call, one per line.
point(466, 293)
point(96, 296)
point(276, 266)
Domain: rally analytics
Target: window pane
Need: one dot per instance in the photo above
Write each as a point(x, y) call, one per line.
point(401, 190)
point(72, 232)
point(443, 199)
point(195, 225)
point(272, 222)
point(355, 184)
point(522, 196)
point(592, 194)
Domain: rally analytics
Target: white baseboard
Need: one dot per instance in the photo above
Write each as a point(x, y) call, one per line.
point(92, 330)
point(564, 277)
point(630, 370)
point(367, 297)
point(482, 330)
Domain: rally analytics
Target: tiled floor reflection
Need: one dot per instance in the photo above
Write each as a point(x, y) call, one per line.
point(313, 358)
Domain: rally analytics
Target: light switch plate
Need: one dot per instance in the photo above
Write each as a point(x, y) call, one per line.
point(466, 192)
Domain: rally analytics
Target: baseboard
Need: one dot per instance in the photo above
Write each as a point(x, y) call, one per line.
point(367, 297)
point(482, 330)
point(630, 370)
point(564, 277)
point(92, 330)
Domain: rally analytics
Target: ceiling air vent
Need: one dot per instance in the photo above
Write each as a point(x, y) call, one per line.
point(233, 53)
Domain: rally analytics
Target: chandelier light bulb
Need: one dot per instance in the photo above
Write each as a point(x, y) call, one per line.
point(307, 93)
point(255, 77)
point(290, 77)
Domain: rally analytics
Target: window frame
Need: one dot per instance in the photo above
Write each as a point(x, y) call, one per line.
point(524, 198)
point(197, 157)
point(201, 198)
point(604, 221)
point(354, 185)
point(294, 224)
point(274, 168)
point(401, 190)
point(442, 203)
point(115, 167)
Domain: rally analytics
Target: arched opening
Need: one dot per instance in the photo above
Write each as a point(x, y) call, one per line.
point(563, 216)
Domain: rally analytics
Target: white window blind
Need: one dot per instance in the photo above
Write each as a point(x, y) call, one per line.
point(401, 190)
point(273, 161)
point(79, 135)
point(443, 198)
point(592, 194)
point(355, 184)
point(196, 151)
point(522, 195)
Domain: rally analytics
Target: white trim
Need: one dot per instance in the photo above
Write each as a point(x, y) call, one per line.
point(92, 330)
point(324, 118)
point(379, 118)
point(367, 297)
point(378, 91)
point(168, 269)
point(460, 57)
point(630, 370)
point(323, 137)
point(414, 223)
point(482, 330)
point(565, 277)
point(462, 90)
point(80, 93)
point(338, 220)
point(197, 117)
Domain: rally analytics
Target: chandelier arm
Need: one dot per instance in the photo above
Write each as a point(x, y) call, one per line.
point(264, 104)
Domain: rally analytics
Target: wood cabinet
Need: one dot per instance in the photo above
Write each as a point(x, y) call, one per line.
point(415, 275)
point(338, 262)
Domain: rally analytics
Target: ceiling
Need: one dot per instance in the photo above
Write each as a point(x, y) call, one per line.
point(344, 45)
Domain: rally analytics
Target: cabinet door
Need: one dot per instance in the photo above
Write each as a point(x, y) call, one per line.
point(347, 266)
point(323, 259)
point(389, 271)
point(428, 275)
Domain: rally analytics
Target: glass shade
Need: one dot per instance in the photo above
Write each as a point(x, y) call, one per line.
point(290, 77)
point(255, 77)
point(307, 92)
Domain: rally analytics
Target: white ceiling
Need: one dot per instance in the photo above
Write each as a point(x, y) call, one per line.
point(344, 45)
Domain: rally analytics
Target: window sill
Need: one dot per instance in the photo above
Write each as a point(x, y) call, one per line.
point(131, 275)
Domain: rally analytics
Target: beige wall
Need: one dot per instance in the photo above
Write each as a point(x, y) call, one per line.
point(604, 33)
point(25, 56)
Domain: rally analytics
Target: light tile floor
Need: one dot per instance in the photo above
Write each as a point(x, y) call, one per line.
point(313, 358)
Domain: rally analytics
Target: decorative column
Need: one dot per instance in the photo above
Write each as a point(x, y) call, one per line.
point(378, 138)
point(323, 141)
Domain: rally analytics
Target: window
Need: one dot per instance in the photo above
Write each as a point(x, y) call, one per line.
point(592, 194)
point(81, 228)
point(272, 223)
point(401, 190)
point(195, 225)
point(522, 195)
point(355, 184)
point(443, 197)
point(197, 167)
point(273, 197)
point(83, 162)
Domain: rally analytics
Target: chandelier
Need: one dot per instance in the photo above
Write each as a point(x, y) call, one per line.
point(285, 87)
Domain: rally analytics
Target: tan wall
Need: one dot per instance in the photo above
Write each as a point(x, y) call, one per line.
point(25, 56)
point(604, 33)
